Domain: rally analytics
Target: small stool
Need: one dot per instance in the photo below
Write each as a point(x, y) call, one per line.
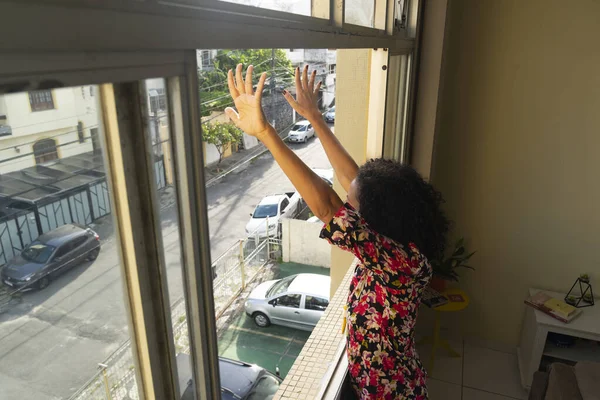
point(436, 341)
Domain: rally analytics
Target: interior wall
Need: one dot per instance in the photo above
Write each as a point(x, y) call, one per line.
point(516, 153)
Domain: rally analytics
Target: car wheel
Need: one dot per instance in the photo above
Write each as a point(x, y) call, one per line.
point(92, 255)
point(305, 138)
point(43, 283)
point(261, 319)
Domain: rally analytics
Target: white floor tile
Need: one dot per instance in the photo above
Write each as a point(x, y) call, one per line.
point(474, 394)
point(492, 371)
point(439, 390)
point(446, 368)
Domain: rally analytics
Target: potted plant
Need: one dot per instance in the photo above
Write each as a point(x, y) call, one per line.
point(571, 300)
point(446, 269)
point(585, 278)
point(588, 298)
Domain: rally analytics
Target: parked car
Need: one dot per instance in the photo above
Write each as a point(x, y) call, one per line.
point(301, 132)
point(325, 174)
point(239, 381)
point(51, 254)
point(297, 301)
point(272, 208)
point(330, 115)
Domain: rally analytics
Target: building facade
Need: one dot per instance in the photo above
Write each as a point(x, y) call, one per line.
point(42, 126)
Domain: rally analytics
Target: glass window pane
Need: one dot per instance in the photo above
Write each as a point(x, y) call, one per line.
point(63, 321)
point(360, 12)
point(395, 138)
point(249, 198)
point(300, 7)
point(163, 167)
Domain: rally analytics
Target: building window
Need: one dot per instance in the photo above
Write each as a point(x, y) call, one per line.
point(206, 59)
point(41, 100)
point(45, 150)
point(95, 140)
point(332, 68)
point(80, 135)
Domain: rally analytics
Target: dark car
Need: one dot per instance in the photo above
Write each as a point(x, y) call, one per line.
point(49, 255)
point(330, 115)
point(239, 381)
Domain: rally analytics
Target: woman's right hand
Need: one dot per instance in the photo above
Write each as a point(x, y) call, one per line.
point(307, 95)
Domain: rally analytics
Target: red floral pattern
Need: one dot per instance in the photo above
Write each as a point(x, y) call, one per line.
point(385, 293)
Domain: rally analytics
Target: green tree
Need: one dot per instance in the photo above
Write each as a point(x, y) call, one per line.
point(213, 83)
point(221, 135)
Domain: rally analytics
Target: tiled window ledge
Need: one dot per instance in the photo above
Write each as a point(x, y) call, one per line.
point(320, 369)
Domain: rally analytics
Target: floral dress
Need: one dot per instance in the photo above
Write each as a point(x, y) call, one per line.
point(384, 297)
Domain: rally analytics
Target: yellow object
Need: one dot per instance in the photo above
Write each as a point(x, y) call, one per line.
point(344, 319)
point(436, 341)
point(560, 307)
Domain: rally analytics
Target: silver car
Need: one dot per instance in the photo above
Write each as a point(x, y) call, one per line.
point(297, 301)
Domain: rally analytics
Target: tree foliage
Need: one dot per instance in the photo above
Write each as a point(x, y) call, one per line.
point(214, 94)
point(221, 135)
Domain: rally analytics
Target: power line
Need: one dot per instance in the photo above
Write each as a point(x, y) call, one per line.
point(52, 137)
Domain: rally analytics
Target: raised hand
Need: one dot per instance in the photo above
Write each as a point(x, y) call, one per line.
point(307, 95)
point(249, 116)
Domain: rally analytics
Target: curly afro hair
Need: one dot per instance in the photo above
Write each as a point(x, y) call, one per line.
point(397, 202)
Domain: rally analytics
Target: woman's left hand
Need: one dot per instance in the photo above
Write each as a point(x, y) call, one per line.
point(249, 117)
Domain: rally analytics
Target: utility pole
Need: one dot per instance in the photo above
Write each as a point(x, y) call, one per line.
point(273, 85)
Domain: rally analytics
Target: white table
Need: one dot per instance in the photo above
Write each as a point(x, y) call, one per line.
point(537, 325)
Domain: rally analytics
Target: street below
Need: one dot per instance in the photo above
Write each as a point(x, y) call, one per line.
point(52, 341)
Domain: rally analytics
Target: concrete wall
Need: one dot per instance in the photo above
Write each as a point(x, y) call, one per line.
point(351, 111)
point(516, 153)
point(301, 243)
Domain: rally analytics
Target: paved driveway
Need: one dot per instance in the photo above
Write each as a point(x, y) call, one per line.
point(275, 346)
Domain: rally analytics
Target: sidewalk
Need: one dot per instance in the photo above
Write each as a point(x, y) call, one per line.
point(235, 162)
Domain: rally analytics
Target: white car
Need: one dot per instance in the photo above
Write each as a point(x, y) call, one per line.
point(301, 132)
point(297, 301)
point(272, 209)
point(325, 174)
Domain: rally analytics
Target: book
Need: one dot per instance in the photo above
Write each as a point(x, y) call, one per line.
point(432, 298)
point(539, 300)
point(456, 298)
point(560, 307)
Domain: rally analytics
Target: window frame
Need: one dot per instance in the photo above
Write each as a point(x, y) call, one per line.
point(37, 104)
point(46, 156)
point(94, 55)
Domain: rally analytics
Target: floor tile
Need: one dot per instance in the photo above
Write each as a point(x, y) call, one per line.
point(474, 394)
point(439, 390)
point(490, 344)
point(446, 368)
point(492, 371)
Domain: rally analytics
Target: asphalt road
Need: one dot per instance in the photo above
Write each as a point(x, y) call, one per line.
point(52, 342)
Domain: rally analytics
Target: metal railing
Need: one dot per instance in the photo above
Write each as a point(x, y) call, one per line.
point(235, 270)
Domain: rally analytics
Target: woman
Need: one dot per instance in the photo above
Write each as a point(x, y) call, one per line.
point(391, 222)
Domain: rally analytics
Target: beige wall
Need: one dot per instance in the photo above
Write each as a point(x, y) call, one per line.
point(517, 150)
point(352, 100)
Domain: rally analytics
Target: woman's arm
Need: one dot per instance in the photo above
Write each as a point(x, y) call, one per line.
point(305, 104)
point(319, 197)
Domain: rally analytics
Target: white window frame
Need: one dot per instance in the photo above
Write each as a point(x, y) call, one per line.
point(93, 44)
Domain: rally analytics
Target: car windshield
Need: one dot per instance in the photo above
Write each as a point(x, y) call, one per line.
point(37, 252)
point(266, 210)
point(299, 128)
point(332, 109)
point(265, 388)
point(280, 286)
